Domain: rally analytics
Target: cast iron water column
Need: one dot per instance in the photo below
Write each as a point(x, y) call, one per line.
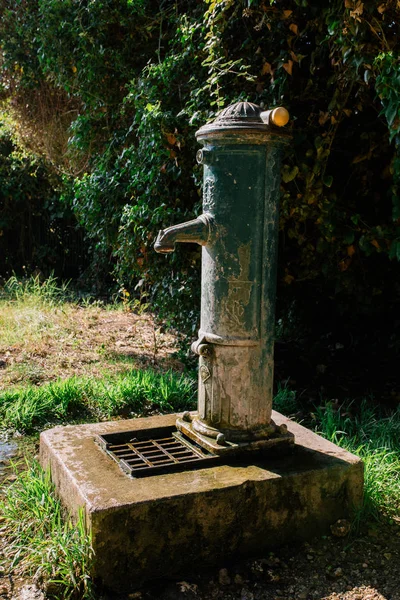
point(238, 231)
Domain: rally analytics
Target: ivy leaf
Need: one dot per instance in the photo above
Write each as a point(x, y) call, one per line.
point(348, 237)
point(391, 112)
point(395, 249)
point(328, 179)
point(289, 174)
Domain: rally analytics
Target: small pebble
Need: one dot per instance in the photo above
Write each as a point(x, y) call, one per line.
point(341, 528)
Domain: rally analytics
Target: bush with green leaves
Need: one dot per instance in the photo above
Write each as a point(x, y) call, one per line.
point(37, 231)
point(144, 76)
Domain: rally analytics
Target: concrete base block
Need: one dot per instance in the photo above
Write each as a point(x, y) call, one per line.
point(168, 525)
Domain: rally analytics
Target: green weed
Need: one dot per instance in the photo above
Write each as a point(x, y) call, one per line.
point(42, 540)
point(30, 312)
point(128, 394)
point(368, 433)
point(375, 438)
point(285, 400)
point(34, 290)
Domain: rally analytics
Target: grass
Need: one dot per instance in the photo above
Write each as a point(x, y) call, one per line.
point(285, 400)
point(366, 431)
point(47, 333)
point(61, 363)
point(35, 291)
point(26, 306)
point(127, 394)
point(42, 540)
point(375, 438)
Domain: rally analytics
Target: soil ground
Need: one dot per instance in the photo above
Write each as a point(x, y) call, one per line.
point(363, 566)
point(78, 341)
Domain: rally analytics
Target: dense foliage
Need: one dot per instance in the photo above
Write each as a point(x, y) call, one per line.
point(111, 94)
point(37, 231)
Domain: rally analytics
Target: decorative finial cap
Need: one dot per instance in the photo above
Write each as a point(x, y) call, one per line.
point(245, 116)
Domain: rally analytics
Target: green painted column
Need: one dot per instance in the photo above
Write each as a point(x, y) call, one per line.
point(238, 231)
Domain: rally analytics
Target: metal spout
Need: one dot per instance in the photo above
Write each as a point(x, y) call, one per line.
point(196, 231)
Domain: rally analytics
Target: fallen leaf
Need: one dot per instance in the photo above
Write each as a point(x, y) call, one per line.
point(350, 250)
point(293, 27)
point(171, 139)
point(358, 11)
point(323, 117)
point(287, 13)
point(267, 69)
point(288, 66)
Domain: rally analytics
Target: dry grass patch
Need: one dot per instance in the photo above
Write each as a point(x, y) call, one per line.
point(43, 339)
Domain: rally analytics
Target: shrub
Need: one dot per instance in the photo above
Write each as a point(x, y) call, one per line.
point(144, 77)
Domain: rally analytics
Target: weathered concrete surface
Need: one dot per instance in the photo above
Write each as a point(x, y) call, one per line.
point(166, 525)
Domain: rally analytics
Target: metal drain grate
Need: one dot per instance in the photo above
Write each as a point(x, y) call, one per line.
point(160, 451)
